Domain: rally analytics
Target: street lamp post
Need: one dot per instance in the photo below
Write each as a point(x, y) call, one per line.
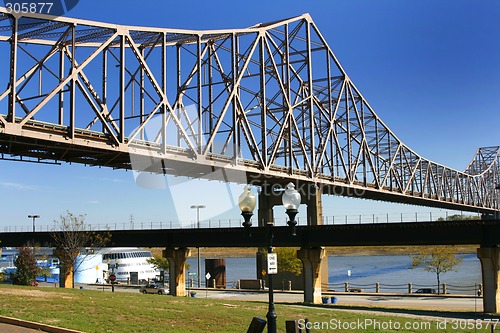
point(198, 207)
point(271, 312)
point(247, 203)
point(33, 217)
point(291, 201)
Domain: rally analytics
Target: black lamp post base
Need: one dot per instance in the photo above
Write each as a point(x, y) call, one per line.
point(292, 223)
point(271, 321)
point(247, 224)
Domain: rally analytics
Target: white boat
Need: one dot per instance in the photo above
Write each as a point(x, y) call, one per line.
point(129, 265)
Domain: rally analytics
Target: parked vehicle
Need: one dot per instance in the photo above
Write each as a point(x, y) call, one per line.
point(425, 291)
point(153, 289)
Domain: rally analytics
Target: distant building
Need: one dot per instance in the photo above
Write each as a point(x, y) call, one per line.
point(8, 256)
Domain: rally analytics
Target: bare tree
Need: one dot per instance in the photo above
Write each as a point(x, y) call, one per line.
point(74, 239)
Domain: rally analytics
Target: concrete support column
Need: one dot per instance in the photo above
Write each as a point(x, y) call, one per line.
point(315, 217)
point(267, 200)
point(311, 260)
point(490, 267)
point(177, 269)
point(260, 263)
point(314, 205)
point(65, 276)
point(65, 269)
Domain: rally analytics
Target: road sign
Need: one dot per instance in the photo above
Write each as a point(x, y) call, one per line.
point(272, 263)
point(208, 276)
point(112, 278)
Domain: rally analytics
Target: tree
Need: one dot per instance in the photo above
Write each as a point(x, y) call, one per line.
point(437, 259)
point(288, 261)
point(459, 217)
point(75, 236)
point(27, 269)
point(159, 263)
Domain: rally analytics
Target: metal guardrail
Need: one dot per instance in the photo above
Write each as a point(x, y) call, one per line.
point(236, 223)
point(410, 288)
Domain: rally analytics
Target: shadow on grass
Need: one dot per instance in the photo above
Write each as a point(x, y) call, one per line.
point(414, 312)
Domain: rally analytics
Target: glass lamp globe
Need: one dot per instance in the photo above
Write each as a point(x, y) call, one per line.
point(247, 200)
point(291, 198)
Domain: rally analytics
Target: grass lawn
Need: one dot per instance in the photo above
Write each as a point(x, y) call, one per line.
point(119, 312)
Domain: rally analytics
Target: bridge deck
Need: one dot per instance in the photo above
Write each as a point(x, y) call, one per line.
point(483, 233)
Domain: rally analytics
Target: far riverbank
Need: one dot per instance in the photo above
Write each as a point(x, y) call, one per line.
point(218, 252)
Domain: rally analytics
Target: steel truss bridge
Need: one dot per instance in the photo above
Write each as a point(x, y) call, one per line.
point(269, 103)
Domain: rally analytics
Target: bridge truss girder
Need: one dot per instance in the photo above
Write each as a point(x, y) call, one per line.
point(269, 103)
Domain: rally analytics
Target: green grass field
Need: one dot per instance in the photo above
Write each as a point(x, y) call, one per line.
point(98, 311)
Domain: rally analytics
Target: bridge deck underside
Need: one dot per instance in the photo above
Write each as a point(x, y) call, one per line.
point(178, 163)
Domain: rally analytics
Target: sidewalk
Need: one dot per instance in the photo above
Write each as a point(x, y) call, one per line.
point(6, 328)
point(13, 325)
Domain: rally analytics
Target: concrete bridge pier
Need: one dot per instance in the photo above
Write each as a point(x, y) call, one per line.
point(267, 200)
point(311, 260)
point(490, 267)
point(315, 217)
point(65, 276)
point(177, 269)
point(65, 270)
point(315, 270)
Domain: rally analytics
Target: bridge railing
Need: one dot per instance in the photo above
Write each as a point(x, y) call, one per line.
point(375, 287)
point(408, 288)
point(237, 223)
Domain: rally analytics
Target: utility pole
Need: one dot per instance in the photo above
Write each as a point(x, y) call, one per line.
point(198, 207)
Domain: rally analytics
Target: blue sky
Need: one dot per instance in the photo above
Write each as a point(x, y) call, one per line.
point(429, 69)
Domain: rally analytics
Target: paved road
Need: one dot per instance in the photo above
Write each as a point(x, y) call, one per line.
point(431, 302)
point(469, 304)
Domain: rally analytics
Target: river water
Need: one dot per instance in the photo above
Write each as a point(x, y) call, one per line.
point(392, 272)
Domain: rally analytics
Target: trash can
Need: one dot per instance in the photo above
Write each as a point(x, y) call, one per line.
point(334, 300)
point(325, 300)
